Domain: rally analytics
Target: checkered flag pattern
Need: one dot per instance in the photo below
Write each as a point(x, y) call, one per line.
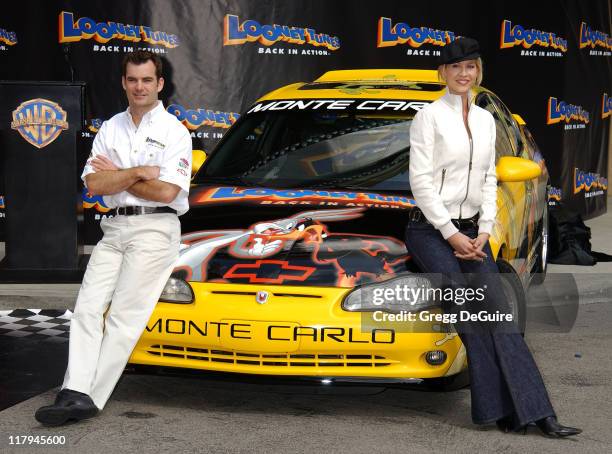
point(36, 324)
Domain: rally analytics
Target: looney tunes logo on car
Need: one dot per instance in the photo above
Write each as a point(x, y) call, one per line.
point(271, 196)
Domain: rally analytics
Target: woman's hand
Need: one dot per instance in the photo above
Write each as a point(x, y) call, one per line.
point(465, 248)
point(480, 241)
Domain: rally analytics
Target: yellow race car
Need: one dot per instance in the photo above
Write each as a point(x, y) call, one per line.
point(296, 229)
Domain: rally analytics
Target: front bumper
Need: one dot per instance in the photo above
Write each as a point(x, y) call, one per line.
point(299, 331)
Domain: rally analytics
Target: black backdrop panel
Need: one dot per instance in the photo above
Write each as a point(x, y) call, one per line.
point(40, 180)
point(221, 55)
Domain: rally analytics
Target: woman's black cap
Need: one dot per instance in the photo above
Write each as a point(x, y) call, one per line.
point(459, 50)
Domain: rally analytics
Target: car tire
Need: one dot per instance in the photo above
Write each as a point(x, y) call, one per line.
point(541, 265)
point(515, 293)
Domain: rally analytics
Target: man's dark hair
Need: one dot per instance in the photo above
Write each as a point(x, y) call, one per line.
point(140, 57)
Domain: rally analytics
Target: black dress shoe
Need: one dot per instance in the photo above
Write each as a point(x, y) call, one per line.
point(551, 427)
point(69, 405)
point(506, 424)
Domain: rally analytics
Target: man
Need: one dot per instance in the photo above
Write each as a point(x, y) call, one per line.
point(140, 162)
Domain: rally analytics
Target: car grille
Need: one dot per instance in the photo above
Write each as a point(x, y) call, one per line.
point(276, 359)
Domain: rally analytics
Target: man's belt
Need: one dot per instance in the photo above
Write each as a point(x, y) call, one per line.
point(135, 210)
point(416, 215)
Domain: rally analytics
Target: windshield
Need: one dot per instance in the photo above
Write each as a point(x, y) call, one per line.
point(315, 149)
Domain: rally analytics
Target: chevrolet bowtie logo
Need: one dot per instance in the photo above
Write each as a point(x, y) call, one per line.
point(269, 272)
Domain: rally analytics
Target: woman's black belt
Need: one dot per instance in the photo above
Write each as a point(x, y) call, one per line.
point(135, 210)
point(416, 215)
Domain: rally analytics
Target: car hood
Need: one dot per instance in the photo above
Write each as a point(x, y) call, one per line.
point(308, 237)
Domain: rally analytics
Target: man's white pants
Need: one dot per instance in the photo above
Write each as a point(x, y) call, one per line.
point(127, 271)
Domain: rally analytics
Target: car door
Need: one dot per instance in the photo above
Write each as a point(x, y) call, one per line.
point(514, 198)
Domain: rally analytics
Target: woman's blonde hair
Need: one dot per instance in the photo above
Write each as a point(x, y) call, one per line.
point(478, 77)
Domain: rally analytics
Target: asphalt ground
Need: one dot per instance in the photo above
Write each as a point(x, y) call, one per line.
point(211, 413)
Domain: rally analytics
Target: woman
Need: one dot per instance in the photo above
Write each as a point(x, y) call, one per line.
point(452, 177)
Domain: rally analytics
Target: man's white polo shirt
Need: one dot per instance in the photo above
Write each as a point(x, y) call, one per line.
point(160, 140)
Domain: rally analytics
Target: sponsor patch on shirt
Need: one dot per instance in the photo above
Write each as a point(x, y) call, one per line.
point(182, 172)
point(155, 143)
point(183, 163)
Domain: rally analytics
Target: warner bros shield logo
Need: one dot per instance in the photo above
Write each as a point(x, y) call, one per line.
point(39, 121)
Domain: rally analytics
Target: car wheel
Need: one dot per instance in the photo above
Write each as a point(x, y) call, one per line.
point(514, 292)
point(542, 254)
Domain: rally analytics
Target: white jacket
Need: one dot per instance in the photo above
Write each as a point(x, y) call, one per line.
point(450, 177)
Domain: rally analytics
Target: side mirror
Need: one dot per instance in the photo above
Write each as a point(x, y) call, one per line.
point(197, 159)
point(519, 119)
point(512, 169)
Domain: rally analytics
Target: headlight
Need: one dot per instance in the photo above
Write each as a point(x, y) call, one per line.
point(177, 291)
point(406, 293)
